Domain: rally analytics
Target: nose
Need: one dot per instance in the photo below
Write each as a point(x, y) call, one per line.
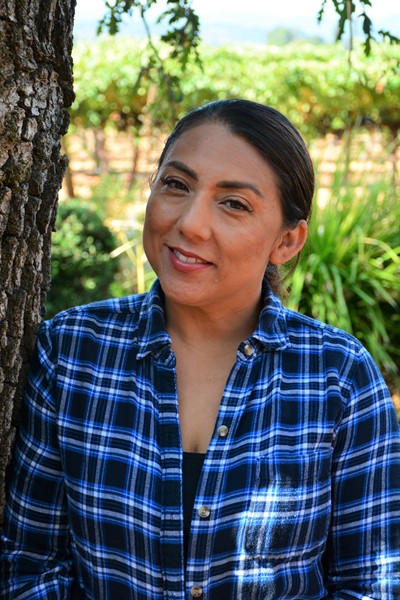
point(195, 218)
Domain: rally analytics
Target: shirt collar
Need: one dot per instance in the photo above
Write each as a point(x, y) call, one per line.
point(152, 335)
point(271, 331)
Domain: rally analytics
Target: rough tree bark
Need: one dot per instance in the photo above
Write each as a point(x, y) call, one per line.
point(35, 90)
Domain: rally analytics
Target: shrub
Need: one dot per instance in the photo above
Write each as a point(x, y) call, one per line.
point(82, 269)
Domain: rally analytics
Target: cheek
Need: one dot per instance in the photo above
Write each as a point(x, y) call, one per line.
point(152, 224)
point(155, 226)
point(255, 246)
point(158, 216)
point(148, 232)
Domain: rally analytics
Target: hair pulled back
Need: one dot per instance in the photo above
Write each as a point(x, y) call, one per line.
point(279, 144)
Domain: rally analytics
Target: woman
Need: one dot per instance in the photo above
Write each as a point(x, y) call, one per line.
point(281, 427)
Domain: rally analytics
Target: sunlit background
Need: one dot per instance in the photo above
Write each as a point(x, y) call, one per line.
point(346, 105)
point(229, 21)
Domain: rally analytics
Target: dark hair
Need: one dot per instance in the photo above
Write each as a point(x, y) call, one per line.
point(277, 141)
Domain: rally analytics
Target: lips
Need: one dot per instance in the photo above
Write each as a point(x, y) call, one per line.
point(187, 262)
point(188, 257)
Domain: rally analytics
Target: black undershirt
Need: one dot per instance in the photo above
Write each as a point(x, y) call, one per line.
point(192, 466)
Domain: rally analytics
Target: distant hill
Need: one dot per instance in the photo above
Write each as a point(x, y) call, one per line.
point(217, 29)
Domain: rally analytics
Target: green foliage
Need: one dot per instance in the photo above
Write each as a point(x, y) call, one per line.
point(82, 269)
point(349, 277)
point(183, 32)
point(164, 64)
point(161, 63)
point(183, 22)
point(109, 86)
point(311, 84)
point(349, 274)
point(181, 35)
point(135, 274)
point(346, 10)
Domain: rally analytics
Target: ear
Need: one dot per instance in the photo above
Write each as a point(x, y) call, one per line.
point(289, 244)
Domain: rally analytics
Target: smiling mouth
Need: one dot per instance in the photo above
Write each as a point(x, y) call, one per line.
point(188, 259)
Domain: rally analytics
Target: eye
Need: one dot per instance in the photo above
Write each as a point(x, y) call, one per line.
point(236, 204)
point(174, 184)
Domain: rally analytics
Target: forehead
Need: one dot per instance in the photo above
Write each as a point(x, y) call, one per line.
point(212, 147)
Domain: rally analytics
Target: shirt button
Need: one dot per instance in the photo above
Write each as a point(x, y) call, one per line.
point(196, 591)
point(204, 512)
point(222, 431)
point(248, 350)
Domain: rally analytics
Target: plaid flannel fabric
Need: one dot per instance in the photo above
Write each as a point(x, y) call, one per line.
point(301, 481)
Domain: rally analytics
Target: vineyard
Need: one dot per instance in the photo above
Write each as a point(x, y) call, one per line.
point(349, 115)
point(315, 86)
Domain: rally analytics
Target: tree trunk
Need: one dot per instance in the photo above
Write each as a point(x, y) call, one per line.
point(35, 90)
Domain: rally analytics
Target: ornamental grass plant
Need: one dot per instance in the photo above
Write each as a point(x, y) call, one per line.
point(349, 274)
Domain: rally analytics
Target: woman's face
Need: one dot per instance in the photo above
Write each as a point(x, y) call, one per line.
point(214, 221)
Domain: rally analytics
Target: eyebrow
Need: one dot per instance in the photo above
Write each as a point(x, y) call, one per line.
point(235, 185)
point(230, 185)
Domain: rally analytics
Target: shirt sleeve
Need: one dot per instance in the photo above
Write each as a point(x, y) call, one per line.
point(364, 546)
point(35, 559)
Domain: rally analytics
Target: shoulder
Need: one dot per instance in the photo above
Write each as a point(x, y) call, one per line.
point(307, 329)
point(336, 355)
point(133, 322)
point(112, 307)
point(304, 336)
point(310, 336)
point(107, 319)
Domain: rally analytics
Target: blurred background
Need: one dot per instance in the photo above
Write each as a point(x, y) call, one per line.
point(343, 96)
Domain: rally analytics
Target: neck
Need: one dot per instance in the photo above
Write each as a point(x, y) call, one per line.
point(196, 326)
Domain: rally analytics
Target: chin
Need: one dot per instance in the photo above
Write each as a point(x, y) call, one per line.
point(186, 295)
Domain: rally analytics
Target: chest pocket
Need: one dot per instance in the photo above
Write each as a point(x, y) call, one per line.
point(289, 512)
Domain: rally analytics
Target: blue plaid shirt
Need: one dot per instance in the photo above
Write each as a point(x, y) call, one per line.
point(299, 496)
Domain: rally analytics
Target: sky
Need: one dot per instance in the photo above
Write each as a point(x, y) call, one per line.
point(223, 20)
